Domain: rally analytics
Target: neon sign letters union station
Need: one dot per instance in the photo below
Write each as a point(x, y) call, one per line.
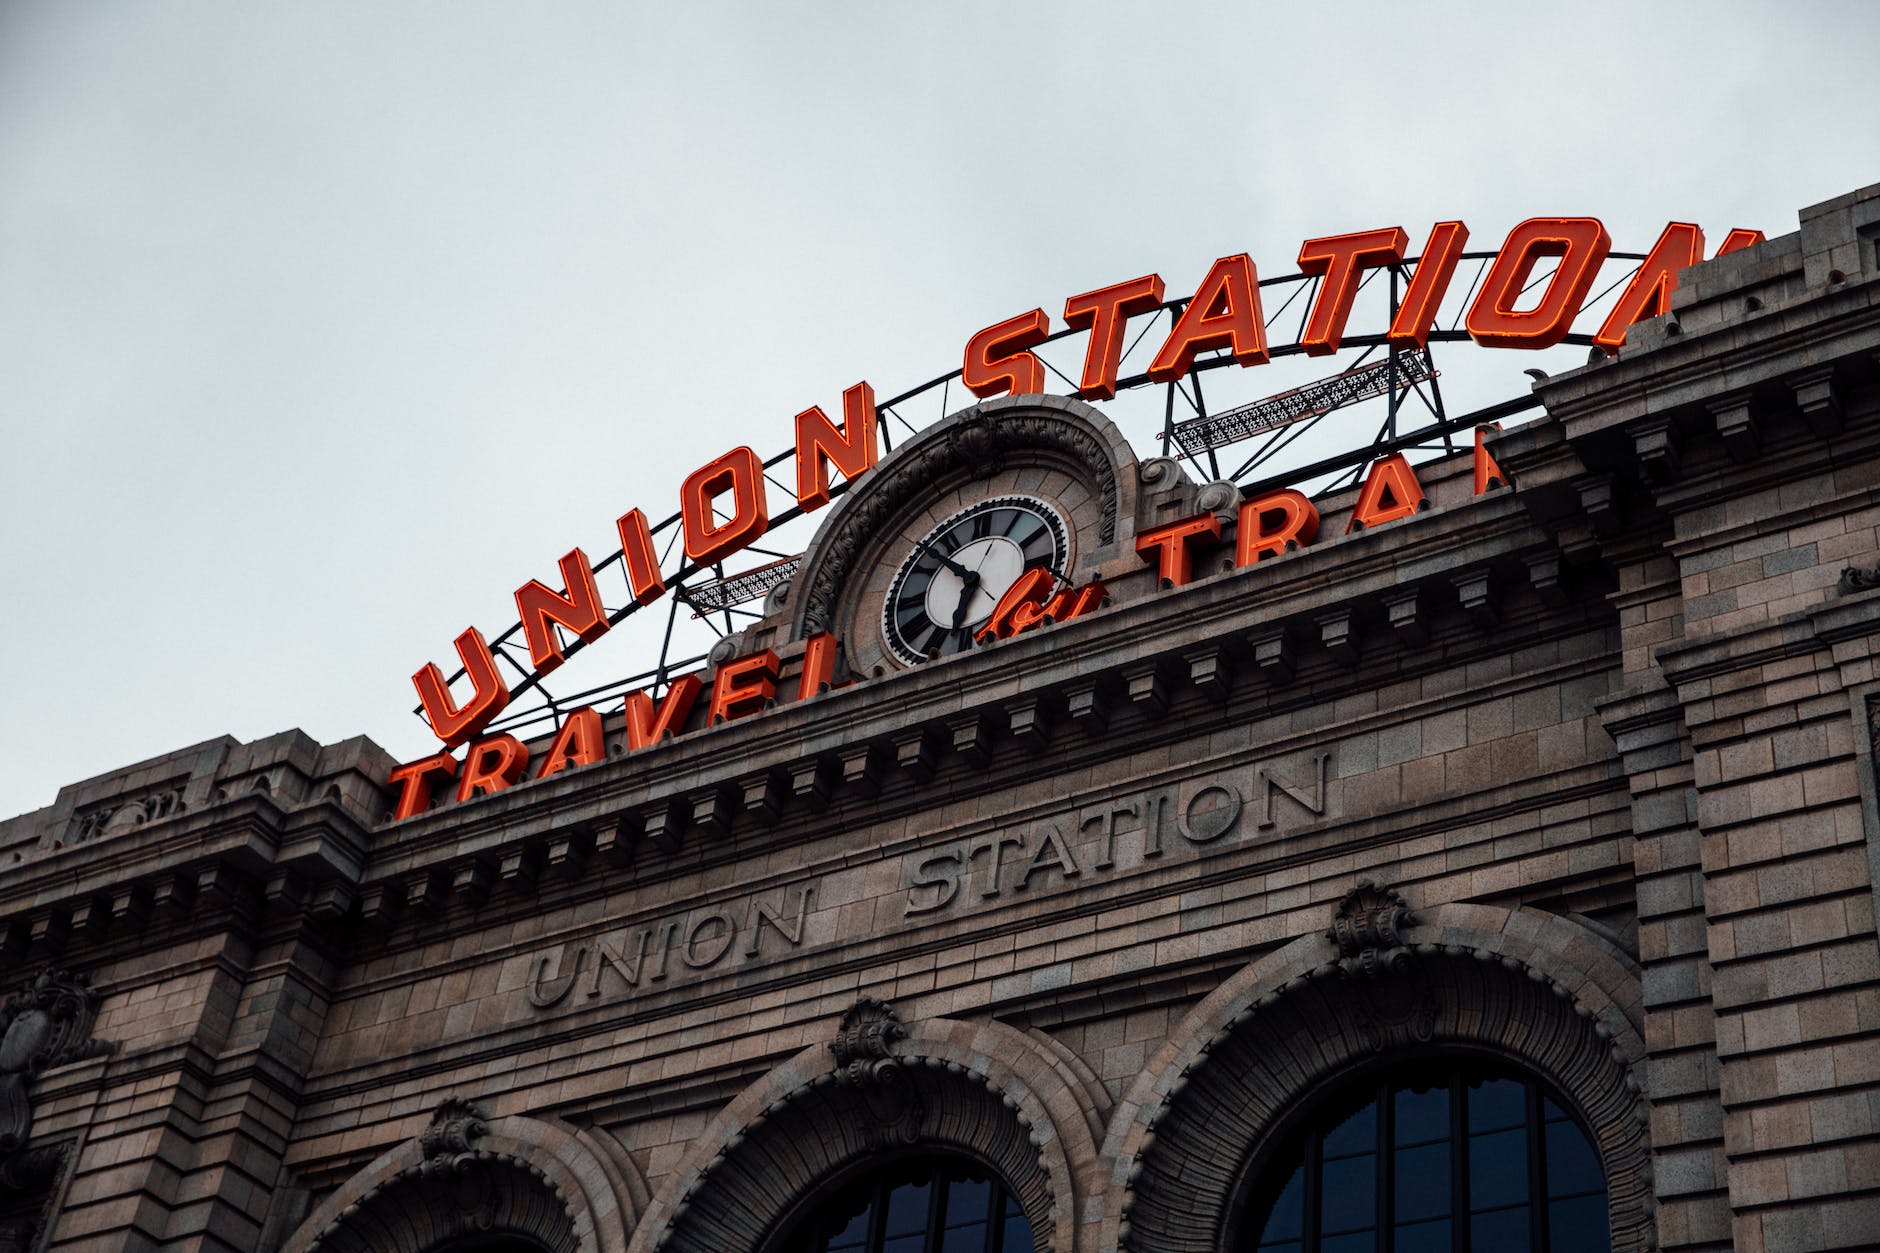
point(1182, 781)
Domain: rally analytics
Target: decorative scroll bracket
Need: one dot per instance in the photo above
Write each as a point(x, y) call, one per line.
point(1374, 953)
point(46, 1023)
point(864, 1053)
point(451, 1160)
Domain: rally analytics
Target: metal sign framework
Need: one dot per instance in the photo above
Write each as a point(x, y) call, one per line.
point(1397, 375)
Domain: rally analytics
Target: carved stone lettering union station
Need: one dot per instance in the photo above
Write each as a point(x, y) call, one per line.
point(1110, 837)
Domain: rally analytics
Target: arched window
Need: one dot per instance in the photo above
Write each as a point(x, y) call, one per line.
point(925, 1205)
point(1445, 1158)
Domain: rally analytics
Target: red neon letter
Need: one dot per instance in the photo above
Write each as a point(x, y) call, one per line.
point(645, 727)
point(1390, 491)
point(1339, 258)
point(1580, 243)
point(1170, 545)
point(819, 666)
point(1104, 313)
point(851, 450)
point(454, 725)
point(636, 549)
point(999, 360)
point(1269, 525)
point(743, 686)
point(414, 783)
point(1223, 313)
point(578, 743)
point(579, 609)
point(492, 765)
point(1487, 472)
point(1089, 597)
point(740, 473)
point(1648, 295)
point(1025, 597)
point(1649, 292)
point(1416, 313)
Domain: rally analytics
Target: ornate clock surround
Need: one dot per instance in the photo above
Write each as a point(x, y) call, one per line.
point(1059, 451)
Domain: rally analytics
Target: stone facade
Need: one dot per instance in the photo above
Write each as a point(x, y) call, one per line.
point(1575, 771)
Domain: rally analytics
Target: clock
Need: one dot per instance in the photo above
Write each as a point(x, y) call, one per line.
point(952, 578)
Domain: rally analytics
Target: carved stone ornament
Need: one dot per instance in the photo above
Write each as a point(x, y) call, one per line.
point(1368, 930)
point(1858, 579)
point(449, 1143)
point(452, 1167)
point(46, 1023)
point(1374, 951)
point(865, 1060)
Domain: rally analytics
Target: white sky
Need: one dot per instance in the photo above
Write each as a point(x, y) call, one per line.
point(323, 327)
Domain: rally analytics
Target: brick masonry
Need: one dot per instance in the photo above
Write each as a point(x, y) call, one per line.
point(1606, 735)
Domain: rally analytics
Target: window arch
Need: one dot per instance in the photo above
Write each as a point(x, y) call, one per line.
point(917, 1205)
point(1444, 1157)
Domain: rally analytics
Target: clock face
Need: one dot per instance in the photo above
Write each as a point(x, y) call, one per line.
point(950, 582)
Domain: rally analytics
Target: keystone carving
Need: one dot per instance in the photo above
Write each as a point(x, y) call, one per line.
point(449, 1143)
point(865, 1060)
point(1368, 931)
point(1375, 953)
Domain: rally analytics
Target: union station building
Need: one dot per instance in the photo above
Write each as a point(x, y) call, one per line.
point(1500, 876)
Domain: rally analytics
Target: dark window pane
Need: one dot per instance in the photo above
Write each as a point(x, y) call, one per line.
point(907, 1209)
point(1017, 1235)
point(1347, 1196)
point(1498, 1169)
point(1422, 1183)
point(971, 1238)
point(968, 1199)
point(1579, 1226)
point(1421, 1116)
point(1497, 1103)
point(1551, 1112)
point(1356, 1134)
point(854, 1232)
point(1504, 1231)
point(1284, 1220)
point(1363, 1242)
point(1291, 1246)
point(1012, 1206)
point(1424, 1237)
point(1572, 1165)
point(916, 1243)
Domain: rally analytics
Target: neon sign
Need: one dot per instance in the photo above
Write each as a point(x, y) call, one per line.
point(723, 507)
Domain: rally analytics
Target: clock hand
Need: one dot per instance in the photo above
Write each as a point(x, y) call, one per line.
point(942, 558)
point(968, 589)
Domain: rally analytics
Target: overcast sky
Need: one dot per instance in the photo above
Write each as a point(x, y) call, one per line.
point(322, 327)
